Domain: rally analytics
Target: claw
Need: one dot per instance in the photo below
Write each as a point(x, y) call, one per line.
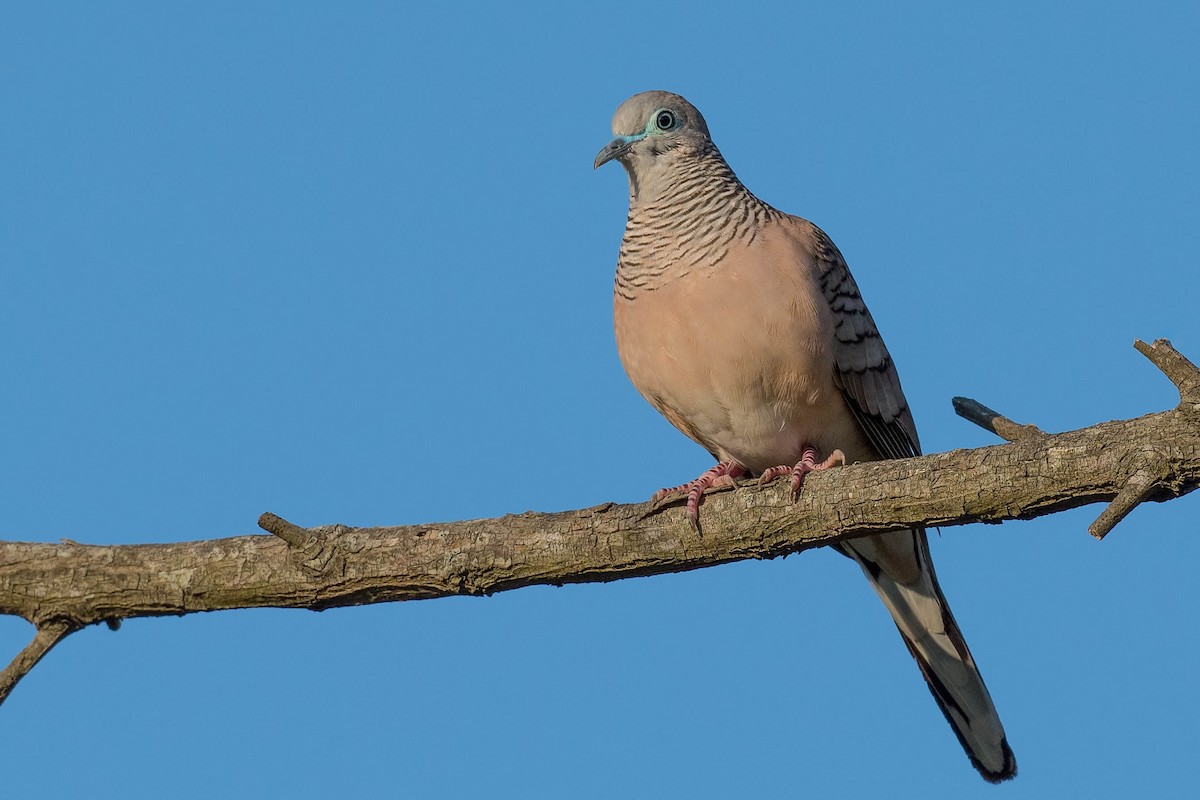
point(723, 475)
point(807, 463)
point(771, 474)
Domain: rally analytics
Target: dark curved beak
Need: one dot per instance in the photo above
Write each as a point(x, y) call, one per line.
point(614, 149)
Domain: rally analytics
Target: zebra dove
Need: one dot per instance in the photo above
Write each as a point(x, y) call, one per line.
point(743, 327)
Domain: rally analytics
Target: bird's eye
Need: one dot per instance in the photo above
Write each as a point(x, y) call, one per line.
point(666, 120)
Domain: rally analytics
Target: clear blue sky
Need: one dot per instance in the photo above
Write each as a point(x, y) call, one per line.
point(350, 263)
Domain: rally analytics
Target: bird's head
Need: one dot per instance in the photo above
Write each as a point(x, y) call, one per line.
point(653, 127)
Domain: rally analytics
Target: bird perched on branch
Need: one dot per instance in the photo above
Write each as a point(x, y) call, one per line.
point(743, 326)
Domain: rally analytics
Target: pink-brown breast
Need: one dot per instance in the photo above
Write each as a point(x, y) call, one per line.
point(738, 357)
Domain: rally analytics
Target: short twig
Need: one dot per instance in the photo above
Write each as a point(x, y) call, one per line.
point(294, 535)
point(1181, 372)
point(1141, 485)
point(48, 635)
point(993, 421)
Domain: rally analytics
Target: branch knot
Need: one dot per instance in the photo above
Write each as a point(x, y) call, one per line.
point(317, 552)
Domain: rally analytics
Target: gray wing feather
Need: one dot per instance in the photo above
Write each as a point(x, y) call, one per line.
point(863, 367)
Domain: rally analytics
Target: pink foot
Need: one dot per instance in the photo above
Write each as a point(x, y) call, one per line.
point(806, 464)
point(721, 476)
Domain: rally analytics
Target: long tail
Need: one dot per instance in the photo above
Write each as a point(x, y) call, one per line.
point(899, 568)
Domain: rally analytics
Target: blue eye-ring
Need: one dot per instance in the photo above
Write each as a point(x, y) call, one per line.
point(665, 119)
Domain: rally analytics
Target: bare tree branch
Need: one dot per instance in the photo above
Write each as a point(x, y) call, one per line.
point(63, 587)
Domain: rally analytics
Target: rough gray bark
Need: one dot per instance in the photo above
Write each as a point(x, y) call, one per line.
point(61, 588)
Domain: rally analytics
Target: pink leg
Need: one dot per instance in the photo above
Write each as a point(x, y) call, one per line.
point(807, 463)
point(721, 476)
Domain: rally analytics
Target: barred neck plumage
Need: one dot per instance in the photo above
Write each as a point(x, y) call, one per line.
point(685, 222)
